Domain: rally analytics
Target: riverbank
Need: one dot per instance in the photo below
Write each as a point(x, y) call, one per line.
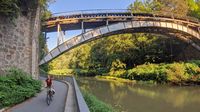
point(95, 105)
point(177, 73)
point(151, 82)
point(114, 79)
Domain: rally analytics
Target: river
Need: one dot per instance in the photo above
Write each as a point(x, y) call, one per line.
point(129, 97)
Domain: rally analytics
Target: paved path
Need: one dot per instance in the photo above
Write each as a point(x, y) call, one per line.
point(38, 104)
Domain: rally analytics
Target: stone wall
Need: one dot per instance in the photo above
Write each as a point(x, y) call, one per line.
point(19, 42)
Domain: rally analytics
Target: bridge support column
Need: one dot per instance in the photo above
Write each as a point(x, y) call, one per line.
point(82, 27)
point(60, 34)
point(107, 22)
point(45, 36)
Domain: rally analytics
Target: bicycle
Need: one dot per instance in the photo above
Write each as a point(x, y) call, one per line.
point(49, 96)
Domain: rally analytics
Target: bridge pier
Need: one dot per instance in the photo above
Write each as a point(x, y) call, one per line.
point(107, 22)
point(45, 36)
point(60, 35)
point(82, 27)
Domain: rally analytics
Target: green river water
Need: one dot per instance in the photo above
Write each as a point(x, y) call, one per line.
point(129, 97)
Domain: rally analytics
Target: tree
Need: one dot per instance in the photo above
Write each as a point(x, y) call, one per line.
point(168, 7)
point(194, 8)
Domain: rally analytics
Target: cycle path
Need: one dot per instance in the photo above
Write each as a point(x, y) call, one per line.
point(38, 103)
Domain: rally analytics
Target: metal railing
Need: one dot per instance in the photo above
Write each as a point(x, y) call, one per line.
point(94, 11)
point(121, 11)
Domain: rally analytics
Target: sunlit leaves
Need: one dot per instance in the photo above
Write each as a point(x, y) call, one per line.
point(167, 7)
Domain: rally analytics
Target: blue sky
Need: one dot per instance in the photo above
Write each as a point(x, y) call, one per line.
point(74, 5)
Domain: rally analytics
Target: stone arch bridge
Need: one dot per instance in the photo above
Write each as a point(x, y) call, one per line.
point(108, 22)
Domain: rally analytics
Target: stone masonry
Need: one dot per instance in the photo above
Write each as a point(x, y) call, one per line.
point(19, 44)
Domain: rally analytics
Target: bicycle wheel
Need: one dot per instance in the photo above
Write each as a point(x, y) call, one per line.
point(48, 99)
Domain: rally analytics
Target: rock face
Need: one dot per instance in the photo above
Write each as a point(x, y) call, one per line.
point(19, 44)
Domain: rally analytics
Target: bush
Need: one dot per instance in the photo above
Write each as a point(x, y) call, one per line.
point(16, 86)
point(177, 73)
point(96, 105)
point(118, 73)
point(197, 62)
point(161, 73)
point(61, 72)
point(148, 72)
point(81, 72)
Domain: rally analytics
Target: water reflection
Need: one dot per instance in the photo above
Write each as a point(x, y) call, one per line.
point(143, 98)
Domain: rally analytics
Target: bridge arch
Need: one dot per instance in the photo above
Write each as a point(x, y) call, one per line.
point(161, 27)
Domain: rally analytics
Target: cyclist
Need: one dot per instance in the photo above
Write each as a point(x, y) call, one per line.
point(49, 84)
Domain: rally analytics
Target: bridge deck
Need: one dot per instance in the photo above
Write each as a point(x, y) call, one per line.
point(73, 21)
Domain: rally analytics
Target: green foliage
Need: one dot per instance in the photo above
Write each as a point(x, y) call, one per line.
point(118, 53)
point(197, 62)
point(46, 14)
point(96, 105)
point(148, 72)
point(117, 69)
point(80, 57)
point(85, 72)
point(177, 73)
point(44, 3)
point(43, 49)
point(180, 8)
point(17, 86)
point(180, 72)
point(9, 8)
point(146, 6)
point(131, 49)
point(117, 65)
point(61, 72)
point(194, 8)
point(161, 73)
point(13, 8)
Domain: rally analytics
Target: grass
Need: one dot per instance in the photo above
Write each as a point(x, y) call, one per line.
point(95, 105)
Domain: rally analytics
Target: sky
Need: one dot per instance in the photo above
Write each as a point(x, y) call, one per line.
point(74, 5)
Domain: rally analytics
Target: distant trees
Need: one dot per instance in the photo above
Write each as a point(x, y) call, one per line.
point(194, 8)
point(178, 7)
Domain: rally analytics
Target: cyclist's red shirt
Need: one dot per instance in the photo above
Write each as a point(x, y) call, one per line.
point(49, 82)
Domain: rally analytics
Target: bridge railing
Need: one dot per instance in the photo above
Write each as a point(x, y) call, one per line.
point(94, 11)
point(106, 12)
